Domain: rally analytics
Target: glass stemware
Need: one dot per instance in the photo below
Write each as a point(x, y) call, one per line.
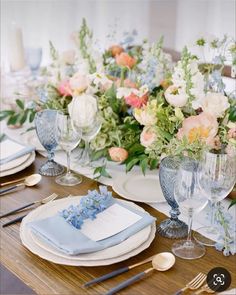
point(217, 178)
point(172, 227)
point(190, 200)
point(34, 57)
point(45, 124)
point(68, 138)
point(88, 132)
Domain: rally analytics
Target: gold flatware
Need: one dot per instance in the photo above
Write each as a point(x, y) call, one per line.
point(194, 284)
point(117, 272)
point(43, 201)
point(15, 181)
point(206, 289)
point(28, 181)
point(161, 262)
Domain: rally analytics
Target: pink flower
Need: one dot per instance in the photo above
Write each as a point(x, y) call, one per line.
point(78, 83)
point(231, 150)
point(118, 154)
point(116, 50)
point(127, 83)
point(232, 133)
point(136, 101)
point(202, 127)
point(64, 88)
point(148, 136)
point(125, 60)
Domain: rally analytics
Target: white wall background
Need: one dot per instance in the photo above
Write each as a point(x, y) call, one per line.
point(180, 21)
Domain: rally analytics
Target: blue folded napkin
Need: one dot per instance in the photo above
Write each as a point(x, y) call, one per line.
point(70, 240)
point(11, 150)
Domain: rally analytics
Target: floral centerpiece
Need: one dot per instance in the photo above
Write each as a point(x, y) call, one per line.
point(149, 107)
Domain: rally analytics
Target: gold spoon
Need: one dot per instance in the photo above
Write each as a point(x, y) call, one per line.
point(17, 180)
point(161, 262)
point(29, 181)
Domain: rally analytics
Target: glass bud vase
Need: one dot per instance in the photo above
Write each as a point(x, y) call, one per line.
point(172, 227)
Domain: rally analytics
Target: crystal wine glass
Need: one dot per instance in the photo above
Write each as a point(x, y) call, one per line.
point(45, 124)
point(190, 200)
point(217, 178)
point(88, 132)
point(68, 138)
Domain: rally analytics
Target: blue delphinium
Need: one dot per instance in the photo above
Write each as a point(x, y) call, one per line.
point(90, 205)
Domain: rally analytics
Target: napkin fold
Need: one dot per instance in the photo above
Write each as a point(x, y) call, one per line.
point(11, 150)
point(70, 240)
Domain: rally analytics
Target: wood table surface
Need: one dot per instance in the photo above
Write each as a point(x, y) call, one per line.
point(48, 278)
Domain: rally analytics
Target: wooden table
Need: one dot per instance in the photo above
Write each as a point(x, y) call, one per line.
point(48, 278)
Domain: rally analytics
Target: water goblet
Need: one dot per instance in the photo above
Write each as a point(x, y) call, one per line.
point(217, 176)
point(34, 58)
point(45, 124)
point(68, 138)
point(188, 195)
point(172, 227)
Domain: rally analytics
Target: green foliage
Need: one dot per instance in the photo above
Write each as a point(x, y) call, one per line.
point(233, 202)
point(18, 116)
point(101, 171)
point(232, 113)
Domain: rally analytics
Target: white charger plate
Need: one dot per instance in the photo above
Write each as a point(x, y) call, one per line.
point(130, 247)
point(19, 168)
point(14, 163)
point(139, 188)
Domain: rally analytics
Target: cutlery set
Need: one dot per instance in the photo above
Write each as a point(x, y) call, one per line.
point(161, 262)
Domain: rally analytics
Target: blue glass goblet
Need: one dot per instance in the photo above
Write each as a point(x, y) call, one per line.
point(45, 123)
point(172, 227)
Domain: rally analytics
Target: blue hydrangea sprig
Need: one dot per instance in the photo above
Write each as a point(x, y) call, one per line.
point(90, 205)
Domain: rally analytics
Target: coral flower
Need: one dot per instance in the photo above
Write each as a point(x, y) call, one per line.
point(124, 59)
point(136, 101)
point(202, 127)
point(118, 154)
point(64, 88)
point(116, 50)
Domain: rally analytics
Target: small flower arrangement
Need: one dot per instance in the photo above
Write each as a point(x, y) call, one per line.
point(94, 203)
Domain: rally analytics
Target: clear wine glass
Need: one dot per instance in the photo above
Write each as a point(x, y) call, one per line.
point(217, 176)
point(88, 132)
point(34, 58)
point(68, 138)
point(45, 124)
point(191, 201)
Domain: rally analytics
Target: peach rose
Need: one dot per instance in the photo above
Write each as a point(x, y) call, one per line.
point(78, 83)
point(64, 88)
point(116, 50)
point(125, 60)
point(148, 136)
point(118, 154)
point(136, 101)
point(201, 127)
point(232, 133)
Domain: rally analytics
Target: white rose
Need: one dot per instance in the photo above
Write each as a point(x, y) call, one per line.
point(215, 104)
point(124, 92)
point(148, 136)
point(175, 96)
point(83, 109)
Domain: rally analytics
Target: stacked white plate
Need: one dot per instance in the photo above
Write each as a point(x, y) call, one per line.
point(17, 165)
point(128, 248)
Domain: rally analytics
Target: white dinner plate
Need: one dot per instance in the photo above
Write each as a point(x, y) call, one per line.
point(130, 247)
point(14, 163)
point(139, 188)
point(19, 168)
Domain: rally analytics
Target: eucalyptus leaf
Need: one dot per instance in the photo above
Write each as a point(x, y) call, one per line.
point(20, 104)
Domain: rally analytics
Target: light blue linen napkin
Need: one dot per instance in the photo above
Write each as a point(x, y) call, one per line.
point(7, 143)
point(70, 240)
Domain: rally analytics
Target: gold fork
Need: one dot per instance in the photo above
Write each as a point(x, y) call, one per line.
point(194, 284)
point(204, 288)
